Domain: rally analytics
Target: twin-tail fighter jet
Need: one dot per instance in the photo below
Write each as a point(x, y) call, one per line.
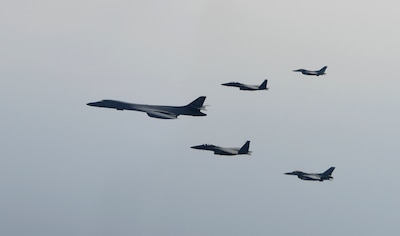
point(313, 177)
point(312, 72)
point(224, 150)
point(247, 87)
point(156, 111)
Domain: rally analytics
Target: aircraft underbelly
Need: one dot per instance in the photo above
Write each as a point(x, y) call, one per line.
point(309, 177)
point(248, 88)
point(224, 152)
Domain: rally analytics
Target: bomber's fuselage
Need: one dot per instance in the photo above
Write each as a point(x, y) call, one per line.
point(156, 111)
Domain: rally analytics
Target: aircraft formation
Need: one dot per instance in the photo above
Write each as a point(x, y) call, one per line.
point(196, 107)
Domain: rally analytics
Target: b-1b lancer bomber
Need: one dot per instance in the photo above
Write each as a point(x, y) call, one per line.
point(312, 72)
point(241, 86)
point(156, 111)
point(224, 150)
point(327, 175)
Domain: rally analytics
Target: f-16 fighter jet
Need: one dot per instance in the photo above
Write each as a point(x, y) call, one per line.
point(225, 151)
point(315, 177)
point(241, 86)
point(161, 112)
point(312, 72)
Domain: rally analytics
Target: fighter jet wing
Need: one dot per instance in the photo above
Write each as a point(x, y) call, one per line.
point(311, 177)
point(225, 151)
point(249, 87)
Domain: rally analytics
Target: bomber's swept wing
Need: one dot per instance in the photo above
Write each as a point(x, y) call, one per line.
point(161, 114)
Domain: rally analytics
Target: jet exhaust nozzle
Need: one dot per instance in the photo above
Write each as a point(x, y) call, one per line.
point(204, 108)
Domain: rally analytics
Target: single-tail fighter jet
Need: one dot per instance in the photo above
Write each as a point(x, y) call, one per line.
point(314, 177)
point(224, 150)
point(312, 72)
point(241, 86)
point(161, 112)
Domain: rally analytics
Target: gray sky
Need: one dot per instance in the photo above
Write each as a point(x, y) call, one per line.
point(70, 169)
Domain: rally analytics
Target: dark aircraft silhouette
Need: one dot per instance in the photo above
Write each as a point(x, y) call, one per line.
point(314, 177)
point(241, 86)
point(156, 111)
point(225, 151)
point(312, 72)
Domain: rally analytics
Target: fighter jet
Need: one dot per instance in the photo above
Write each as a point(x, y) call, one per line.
point(241, 86)
point(312, 72)
point(156, 111)
point(225, 151)
point(314, 177)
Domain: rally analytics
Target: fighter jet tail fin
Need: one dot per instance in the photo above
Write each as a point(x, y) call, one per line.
point(322, 70)
point(263, 85)
point(328, 172)
point(245, 148)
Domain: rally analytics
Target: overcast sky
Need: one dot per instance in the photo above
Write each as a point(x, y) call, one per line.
point(70, 169)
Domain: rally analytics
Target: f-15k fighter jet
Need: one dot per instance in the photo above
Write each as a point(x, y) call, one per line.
point(224, 150)
point(241, 86)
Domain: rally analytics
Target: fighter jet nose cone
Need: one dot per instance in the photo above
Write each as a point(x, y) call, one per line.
point(197, 147)
point(92, 104)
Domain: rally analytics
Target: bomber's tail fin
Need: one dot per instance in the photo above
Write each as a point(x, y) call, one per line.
point(322, 70)
point(198, 103)
point(328, 172)
point(245, 148)
point(196, 106)
point(263, 85)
